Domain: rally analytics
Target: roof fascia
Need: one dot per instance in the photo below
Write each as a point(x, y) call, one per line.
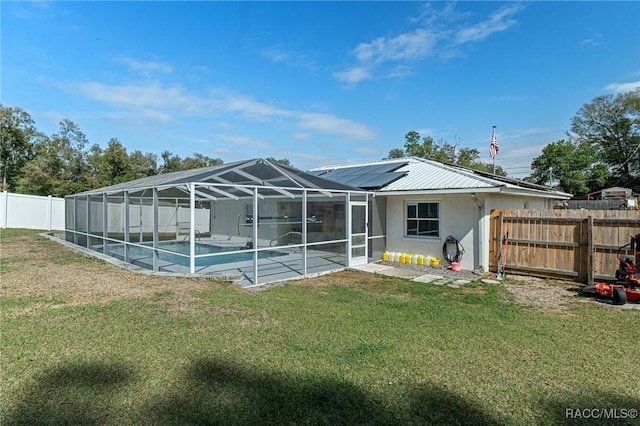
point(535, 193)
point(439, 191)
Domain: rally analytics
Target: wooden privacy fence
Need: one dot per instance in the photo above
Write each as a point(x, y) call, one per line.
point(573, 244)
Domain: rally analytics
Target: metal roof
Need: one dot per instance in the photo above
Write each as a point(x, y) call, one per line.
point(419, 174)
point(248, 173)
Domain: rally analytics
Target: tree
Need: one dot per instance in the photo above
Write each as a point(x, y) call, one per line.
point(414, 148)
point(395, 153)
point(283, 161)
point(173, 163)
point(170, 162)
point(444, 152)
point(63, 160)
point(467, 157)
point(199, 160)
point(611, 124)
point(575, 165)
point(17, 137)
point(114, 165)
point(142, 165)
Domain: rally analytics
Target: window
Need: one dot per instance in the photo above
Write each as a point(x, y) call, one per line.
point(423, 219)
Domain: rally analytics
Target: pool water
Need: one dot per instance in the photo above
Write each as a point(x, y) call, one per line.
point(232, 255)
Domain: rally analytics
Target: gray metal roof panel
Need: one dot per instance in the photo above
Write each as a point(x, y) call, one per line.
point(431, 175)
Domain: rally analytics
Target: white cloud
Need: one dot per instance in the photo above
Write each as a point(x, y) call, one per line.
point(593, 40)
point(409, 46)
point(146, 67)
point(225, 125)
point(398, 71)
point(623, 87)
point(499, 21)
point(159, 116)
point(440, 35)
point(426, 131)
point(330, 124)
point(137, 96)
point(300, 136)
point(251, 108)
point(353, 75)
point(162, 104)
point(289, 57)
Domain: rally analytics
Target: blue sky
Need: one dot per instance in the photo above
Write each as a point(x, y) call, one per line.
point(316, 82)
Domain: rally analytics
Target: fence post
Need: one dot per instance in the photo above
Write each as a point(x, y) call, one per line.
point(5, 213)
point(590, 280)
point(499, 242)
point(49, 212)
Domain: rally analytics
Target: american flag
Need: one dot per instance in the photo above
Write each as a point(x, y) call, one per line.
point(493, 148)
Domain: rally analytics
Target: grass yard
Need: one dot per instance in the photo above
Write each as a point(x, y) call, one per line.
point(84, 342)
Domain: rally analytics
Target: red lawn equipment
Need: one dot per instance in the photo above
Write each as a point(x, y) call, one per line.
point(627, 284)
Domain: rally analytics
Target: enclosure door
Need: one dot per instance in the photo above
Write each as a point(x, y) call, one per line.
point(358, 234)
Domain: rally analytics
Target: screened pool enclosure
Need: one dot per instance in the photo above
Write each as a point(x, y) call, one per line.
point(255, 220)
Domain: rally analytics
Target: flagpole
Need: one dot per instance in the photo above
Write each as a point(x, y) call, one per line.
point(494, 157)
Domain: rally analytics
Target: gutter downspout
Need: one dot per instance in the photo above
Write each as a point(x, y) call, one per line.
point(481, 232)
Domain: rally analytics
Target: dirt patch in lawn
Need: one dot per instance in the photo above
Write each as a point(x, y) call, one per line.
point(541, 293)
point(40, 269)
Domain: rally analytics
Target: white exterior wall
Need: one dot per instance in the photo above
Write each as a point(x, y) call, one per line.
point(501, 201)
point(226, 214)
point(31, 212)
point(226, 217)
point(168, 218)
point(460, 217)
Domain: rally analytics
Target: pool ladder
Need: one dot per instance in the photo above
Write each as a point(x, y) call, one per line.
point(284, 235)
point(186, 237)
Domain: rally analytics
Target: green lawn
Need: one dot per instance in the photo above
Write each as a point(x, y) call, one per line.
point(350, 348)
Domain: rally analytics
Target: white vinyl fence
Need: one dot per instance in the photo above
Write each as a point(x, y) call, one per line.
point(31, 212)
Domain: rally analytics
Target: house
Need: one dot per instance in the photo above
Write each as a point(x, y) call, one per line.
point(418, 203)
point(262, 222)
point(615, 192)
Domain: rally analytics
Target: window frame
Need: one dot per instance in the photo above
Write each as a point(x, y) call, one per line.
point(419, 219)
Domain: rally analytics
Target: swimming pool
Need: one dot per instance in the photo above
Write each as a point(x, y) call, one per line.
point(232, 255)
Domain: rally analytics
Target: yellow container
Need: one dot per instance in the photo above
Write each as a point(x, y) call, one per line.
point(403, 257)
point(385, 256)
point(435, 261)
point(420, 260)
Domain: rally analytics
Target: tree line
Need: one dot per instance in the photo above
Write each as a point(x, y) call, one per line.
point(66, 163)
point(601, 149)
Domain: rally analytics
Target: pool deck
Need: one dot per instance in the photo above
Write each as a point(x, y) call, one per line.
point(270, 270)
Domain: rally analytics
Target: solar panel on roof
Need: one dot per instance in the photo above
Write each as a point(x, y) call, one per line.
point(369, 176)
point(378, 181)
